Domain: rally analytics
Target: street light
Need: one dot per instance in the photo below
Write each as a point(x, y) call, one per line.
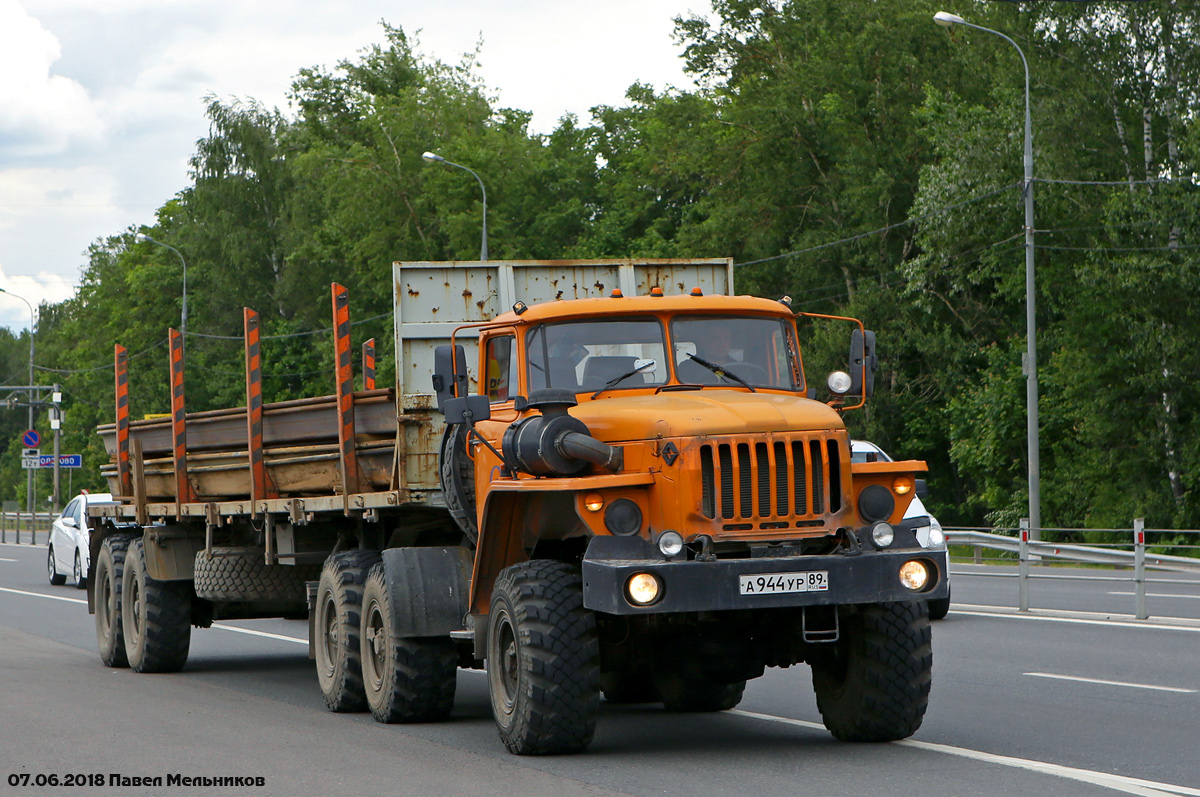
point(29, 493)
point(1031, 386)
point(141, 237)
point(435, 158)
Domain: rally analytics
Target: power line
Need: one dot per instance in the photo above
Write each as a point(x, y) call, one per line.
point(904, 223)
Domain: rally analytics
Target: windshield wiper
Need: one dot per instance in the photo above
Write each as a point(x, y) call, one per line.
point(721, 372)
point(614, 382)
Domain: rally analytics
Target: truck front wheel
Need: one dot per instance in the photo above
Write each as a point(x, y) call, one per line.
point(873, 685)
point(337, 625)
point(110, 567)
point(156, 617)
point(543, 659)
point(406, 680)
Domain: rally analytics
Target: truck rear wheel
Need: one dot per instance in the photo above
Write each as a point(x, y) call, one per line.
point(874, 685)
point(337, 626)
point(406, 680)
point(242, 574)
point(543, 659)
point(683, 692)
point(155, 615)
point(110, 568)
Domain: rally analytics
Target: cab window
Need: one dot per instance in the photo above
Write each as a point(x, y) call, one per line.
point(501, 367)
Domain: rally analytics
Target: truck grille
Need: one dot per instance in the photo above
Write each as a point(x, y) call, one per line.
point(770, 481)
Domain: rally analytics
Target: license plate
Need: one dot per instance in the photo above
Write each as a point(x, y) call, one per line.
point(782, 583)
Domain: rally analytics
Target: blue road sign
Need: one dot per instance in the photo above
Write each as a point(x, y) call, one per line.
point(31, 438)
point(64, 461)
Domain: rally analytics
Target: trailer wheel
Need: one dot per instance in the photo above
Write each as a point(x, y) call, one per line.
point(406, 680)
point(110, 567)
point(543, 659)
point(155, 615)
point(686, 692)
point(874, 685)
point(337, 625)
point(242, 574)
point(456, 474)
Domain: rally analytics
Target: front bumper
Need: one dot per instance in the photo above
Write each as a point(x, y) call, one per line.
point(867, 576)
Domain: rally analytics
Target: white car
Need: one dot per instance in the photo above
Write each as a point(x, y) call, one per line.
point(69, 540)
point(930, 536)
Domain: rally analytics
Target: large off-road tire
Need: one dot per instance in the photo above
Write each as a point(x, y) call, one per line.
point(691, 692)
point(873, 686)
point(108, 575)
point(337, 626)
point(241, 574)
point(57, 579)
point(155, 616)
point(405, 680)
point(939, 607)
point(456, 474)
point(543, 659)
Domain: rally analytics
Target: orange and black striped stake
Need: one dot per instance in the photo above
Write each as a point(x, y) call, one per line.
point(261, 484)
point(345, 392)
point(183, 487)
point(124, 479)
point(368, 364)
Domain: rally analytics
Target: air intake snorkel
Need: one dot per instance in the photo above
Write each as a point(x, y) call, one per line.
point(555, 443)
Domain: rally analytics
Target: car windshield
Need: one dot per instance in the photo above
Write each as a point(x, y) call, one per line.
point(588, 355)
point(756, 350)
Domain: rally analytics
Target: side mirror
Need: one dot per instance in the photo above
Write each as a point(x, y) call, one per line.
point(921, 489)
point(69, 522)
point(862, 352)
point(449, 374)
point(468, 410)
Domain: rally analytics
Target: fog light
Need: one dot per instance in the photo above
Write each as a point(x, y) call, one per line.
point(914, 575)
point(643, 589)
point(882, 534)
point(594, 502)
point(670, 543)
point(903, 485)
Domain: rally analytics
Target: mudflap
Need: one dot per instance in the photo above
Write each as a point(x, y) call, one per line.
point(430, 588)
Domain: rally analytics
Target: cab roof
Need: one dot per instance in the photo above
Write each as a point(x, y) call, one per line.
point(644, 305)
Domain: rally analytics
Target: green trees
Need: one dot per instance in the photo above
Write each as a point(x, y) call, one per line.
point(848, 153)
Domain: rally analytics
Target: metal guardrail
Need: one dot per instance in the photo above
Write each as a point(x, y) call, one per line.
point(1030, 551)
point(29, 522)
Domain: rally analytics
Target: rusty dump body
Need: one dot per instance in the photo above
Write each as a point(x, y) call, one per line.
point(623, 439)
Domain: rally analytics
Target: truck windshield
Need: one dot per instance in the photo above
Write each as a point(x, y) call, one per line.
point(756, 350)
point(587, 355)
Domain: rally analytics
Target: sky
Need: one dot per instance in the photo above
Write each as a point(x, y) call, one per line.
point(101, 103)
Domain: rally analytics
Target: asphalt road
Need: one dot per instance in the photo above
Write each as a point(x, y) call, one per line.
point(1047, 704)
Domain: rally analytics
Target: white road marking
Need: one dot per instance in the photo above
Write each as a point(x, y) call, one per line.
point(1109, 683)
point(42, 595)
point(1147, 788)
point(1195, 629)
point(1159, 595)
point(7, 560)
point(221, 626)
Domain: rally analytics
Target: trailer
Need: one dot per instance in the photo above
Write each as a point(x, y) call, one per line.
point(590, 477)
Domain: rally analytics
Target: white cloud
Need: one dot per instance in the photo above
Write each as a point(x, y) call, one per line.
point(43, 112)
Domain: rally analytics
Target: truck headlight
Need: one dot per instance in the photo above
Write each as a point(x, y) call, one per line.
point(643, 589)
point(839, 382)
point(914, 575)
point(623, 517)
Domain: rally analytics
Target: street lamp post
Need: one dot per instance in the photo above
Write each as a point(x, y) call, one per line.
point(435, 158)
point(1031, 385)
point(29, 493)
point(143, 238)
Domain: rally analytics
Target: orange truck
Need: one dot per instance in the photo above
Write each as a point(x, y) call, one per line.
point(591, 478)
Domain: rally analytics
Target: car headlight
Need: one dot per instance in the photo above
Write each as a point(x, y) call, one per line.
point(937, 537)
